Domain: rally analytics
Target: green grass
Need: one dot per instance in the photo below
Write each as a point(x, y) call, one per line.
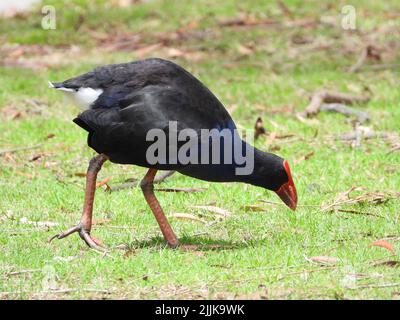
point(247, 255)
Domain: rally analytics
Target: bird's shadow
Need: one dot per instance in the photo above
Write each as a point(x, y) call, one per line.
point(188, 243)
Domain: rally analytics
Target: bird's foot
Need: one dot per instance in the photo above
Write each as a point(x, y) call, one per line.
point(92, 242)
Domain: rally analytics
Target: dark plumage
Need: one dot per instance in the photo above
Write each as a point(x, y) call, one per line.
point(132, 98)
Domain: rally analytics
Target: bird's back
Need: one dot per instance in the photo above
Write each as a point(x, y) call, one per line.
point(139, 96)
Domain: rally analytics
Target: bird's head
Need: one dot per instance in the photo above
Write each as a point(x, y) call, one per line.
point(273, 173)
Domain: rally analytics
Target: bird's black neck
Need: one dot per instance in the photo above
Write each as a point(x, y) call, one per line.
point(266, 166)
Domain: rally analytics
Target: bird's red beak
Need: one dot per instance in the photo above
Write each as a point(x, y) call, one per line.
point(287, 192)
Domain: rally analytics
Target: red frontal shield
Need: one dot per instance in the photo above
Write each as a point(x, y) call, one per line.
point(287, 192)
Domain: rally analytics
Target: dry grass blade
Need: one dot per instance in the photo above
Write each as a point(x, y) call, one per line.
point(219, 211)
point(188, 190)
point(323, 260)
point(359, 212)
point(39, 223)
point(379, 285)
point(5, 151)
point(186, 216)
point(253, 208)
point(363, 134)
point(376, 197)
point(306, 271)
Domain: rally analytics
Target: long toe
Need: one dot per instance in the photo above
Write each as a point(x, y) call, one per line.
point(85, 236)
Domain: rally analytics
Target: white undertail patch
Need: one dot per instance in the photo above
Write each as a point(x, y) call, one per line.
point(83, 97)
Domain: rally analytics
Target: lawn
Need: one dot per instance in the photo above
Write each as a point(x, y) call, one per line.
point(261, 59)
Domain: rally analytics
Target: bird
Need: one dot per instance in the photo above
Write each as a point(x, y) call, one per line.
point(122, 103)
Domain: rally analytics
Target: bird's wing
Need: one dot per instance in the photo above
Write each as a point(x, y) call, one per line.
point(124, 131)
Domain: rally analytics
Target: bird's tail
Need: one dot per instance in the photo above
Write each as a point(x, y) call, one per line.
point(59, 86)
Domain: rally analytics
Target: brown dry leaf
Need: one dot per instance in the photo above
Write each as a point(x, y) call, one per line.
point(304, 158)
point(103, 182)
point(80, 174)
point(174, 53)
point(285, 136)
point(36, 156)
point(219, 211)
point(259, 128)
point(186, 216)
point(324, 260)
point(24, 174)
point(131, 252)
point(244, 50)
point(194, 24)
point(382, 244)
point(16, 53)
point(188, 55)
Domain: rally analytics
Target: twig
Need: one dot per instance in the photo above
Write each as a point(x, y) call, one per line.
point(360, 62)
point(306, 271)
point(376, 67)
point(16, 273)
point(343, 109)
point(395, 148)
point(321, 96)
point(366, 135)
point(358, 135)
point(122, 186)
point(285, 9)
point(360, 212)
point(163, 175)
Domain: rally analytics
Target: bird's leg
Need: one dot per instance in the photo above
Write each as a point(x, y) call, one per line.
point(164, 175)
point(148, 191)
point(85, 225)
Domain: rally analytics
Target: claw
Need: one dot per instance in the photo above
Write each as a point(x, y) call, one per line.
point(85, 236)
